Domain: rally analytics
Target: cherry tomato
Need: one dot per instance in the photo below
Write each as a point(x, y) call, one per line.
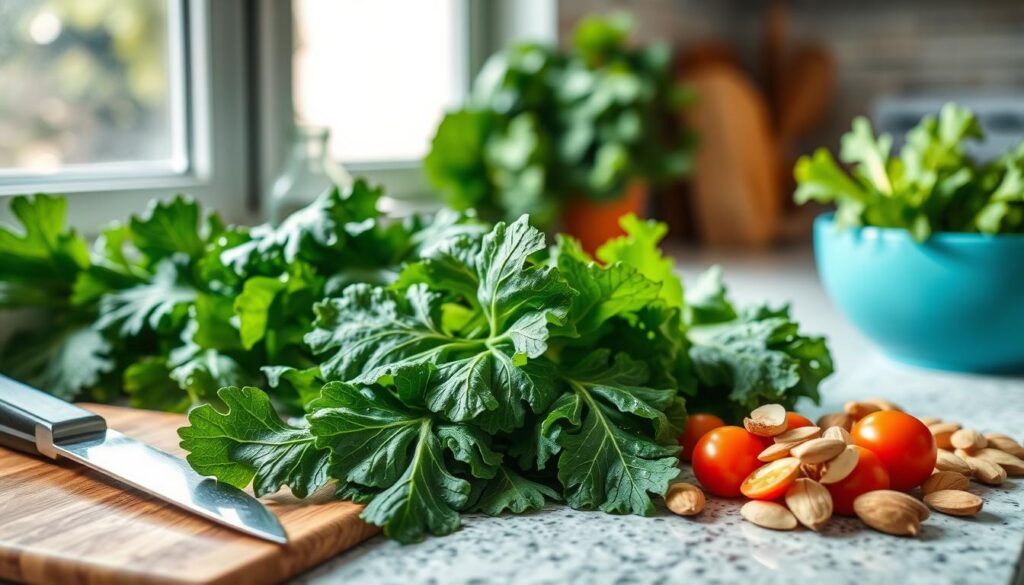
point(724, 457)
point(696, 426)
point(795, 421)
point(869, 475)
point(903, 444)
point(772, 480)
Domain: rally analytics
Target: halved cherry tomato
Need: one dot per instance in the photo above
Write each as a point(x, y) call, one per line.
point(724, 457)
point(869, 475)
point(696, 426)
point(795, 421)
point(903, 444)
point(772, 480)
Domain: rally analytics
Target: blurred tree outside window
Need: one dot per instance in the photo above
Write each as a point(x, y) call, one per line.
point(84, 82)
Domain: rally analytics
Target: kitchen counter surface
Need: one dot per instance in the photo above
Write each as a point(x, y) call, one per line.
point(559, 545)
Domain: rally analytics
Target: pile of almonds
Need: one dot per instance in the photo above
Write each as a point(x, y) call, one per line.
point(825, 455)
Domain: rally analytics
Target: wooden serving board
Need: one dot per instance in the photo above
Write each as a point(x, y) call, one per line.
point(62, 523)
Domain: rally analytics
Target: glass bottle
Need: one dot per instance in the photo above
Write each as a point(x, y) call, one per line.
point(309, 171)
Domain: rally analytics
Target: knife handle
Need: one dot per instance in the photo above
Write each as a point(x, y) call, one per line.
point(32, 421)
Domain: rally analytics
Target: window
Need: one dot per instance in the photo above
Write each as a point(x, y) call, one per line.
point(378, 74)
point(117, 102)
point(91, 88)
point(122, 101)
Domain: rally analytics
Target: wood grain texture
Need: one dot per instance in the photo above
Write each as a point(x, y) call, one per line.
point(62, 523)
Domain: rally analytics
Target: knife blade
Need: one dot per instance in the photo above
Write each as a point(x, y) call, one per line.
point(38, 423)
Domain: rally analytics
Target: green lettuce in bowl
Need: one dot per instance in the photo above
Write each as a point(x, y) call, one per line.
point(931, 186)
point(925, 252)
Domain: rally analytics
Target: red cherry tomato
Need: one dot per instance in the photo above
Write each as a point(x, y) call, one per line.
point(696, 426)
point(868, 476)
point(771, 481)
point(795, 421)
point(724, 457)
point(903, 444)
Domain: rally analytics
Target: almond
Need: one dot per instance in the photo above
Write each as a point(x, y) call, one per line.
point(942, 433)
point(837, 433)
point(810, 502)
point(954, 502)
point(858, 410)
point(766, 421)
point(1002, 442)
point(817, 450)
point(968, 440)
point(798, 435)
point(775, 451)
point(946, 461)
point(768, 515)
point(841, 466)
point(1013, 465)
point(812, 470)
point(685, 499)
point(984, 470)
point(929, 420)
point(945, 480)
point(836, 419)
point(883, 404)
point(891, 512)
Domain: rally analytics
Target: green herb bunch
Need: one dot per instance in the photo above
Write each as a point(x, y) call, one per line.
point(541, 126)
point(933, 185)
point(171, 305)
point(498, 373)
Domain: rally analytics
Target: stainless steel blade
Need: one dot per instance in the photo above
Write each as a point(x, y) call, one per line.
point(171, 479)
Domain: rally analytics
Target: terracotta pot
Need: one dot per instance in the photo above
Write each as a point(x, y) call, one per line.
point(595, 222)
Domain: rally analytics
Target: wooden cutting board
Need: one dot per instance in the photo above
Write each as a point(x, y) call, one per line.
point(62, 523)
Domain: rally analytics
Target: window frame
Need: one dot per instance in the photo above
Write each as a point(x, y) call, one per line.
point(239, 122)
point(207, 57)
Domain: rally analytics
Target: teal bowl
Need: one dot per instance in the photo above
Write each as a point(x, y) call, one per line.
point(954, 302)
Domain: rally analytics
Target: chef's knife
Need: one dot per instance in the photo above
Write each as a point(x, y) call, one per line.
point(38, 423)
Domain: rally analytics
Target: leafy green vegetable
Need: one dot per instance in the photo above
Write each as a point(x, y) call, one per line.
point(496, 374)
point(171, 305)
point(377, 441)
point(42, 256)
point(607, 462)
point(249, 444)
point(63, 359)
point(932, 186)
point(512, 492)
point(542, 126)
point(440, 366)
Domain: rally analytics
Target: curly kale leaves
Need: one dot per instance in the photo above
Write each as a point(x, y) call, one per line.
point(481, 372)
point(610, 460)
point(378, 442)
point(250, 444)
point(171, 304)
point(442, 367)
point(495, 375)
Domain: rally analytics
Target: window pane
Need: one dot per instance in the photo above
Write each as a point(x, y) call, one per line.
point(378, 73)
point(90, 82)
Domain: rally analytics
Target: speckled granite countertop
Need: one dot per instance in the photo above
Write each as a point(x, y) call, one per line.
point(559, 545)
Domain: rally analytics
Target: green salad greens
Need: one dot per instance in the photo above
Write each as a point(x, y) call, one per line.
point(931, 186)
point(497, 373)
point(438, 366)
point(169, 306)
point(542, 125)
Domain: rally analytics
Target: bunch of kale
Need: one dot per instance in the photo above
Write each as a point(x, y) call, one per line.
point(497, 373)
